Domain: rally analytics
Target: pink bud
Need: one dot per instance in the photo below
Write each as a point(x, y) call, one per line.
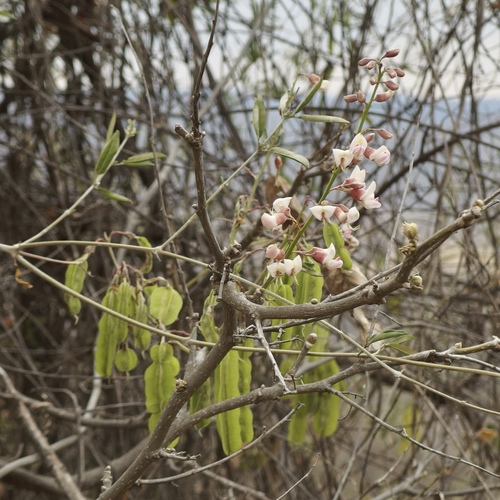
point(313, 79)
point(399, 72)
point(371, 64)
point(274, 252)
point(274, 221)
point(369, 137)
point(365, 61)
point(391, 85)
point(391, 53)
point(278, 162)
point(384, 96)
point(391, 72)
point(350, 98)
point(373, 80)
point(385, 134)
point(360, 97)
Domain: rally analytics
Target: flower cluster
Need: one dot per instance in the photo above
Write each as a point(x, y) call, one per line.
point(354, 186)
point(282, 266)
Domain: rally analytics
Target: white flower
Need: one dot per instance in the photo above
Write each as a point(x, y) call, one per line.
point(276, 269)
point(368, 199)
point(281, 205)
point(293, 267)
point(357, 147)
point(323, 212)
point(273, 221)
point(342, 158)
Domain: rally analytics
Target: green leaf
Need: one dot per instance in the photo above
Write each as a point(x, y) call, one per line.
point(114, 196)
point(395, 336)
point(148, 263)
point(309, 96)
point(6, 13)
point(290, 154)
point(142, 160)
point(111, 127)
point(323, 119)
point(259, 117)
point(165, 304)
point(107, 154)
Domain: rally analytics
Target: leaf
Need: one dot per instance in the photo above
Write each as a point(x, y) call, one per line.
point(259, 117)
point(165, 304)
point(396, 336)
point(107, 154)
point(148, 263)
point(323, 119)
point(114, 196)
point(290, 154)
point(142, 160)
point(111, 127)
point(309, 96)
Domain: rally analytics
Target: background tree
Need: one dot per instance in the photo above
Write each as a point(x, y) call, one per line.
point(67, 67)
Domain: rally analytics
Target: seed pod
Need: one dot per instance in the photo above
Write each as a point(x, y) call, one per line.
point(332, 234)
point(346, 258)
point(165, 303)
point(125, 360)
point(74, 279)
point(142, 337)
point(227, 386)
point(106, 340)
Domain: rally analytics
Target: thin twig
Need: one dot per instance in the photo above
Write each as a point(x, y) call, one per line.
point(61, 474)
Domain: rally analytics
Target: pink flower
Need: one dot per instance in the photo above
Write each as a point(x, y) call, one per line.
point(326, 257)
point(273, 221)
point(342, 158)
point(274, 252)
point(323, 212)
point(381, 156)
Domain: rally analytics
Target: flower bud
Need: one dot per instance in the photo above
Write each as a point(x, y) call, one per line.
point(365, 61)
point(384, 96)
point(310, 340)
point(391, 85)
point(373, 80)
point(360, 97)
point(274, 252)
point(391, 53)
point(385, 134)
point(369, 137)
point(278, 162)
point(371, 64)
point(399, 72)
point(410, 230)
point(350, 98)
point(391, 72)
